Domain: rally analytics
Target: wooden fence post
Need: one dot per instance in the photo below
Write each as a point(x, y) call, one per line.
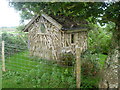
point(78, 66)
point(3, 57)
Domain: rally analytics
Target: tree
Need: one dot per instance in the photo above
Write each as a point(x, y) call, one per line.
point(111, 72)
point(103, 12)
point(99, 38)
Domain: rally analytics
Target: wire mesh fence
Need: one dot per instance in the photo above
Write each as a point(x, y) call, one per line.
point(39, 73)
point(0, 62)
point(25, 71)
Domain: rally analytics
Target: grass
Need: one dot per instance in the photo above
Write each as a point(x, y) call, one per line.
point(26, 72)
point(7, 29)
point(20, 61)
point(102, 58)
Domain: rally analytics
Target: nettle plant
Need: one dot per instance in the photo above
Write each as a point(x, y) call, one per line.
point(90, 64)
point(67, 59)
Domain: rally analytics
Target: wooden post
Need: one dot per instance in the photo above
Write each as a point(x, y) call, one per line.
point(3, 57)
point(78, 66)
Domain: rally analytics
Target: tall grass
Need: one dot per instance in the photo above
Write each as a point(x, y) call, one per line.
point(36, 73)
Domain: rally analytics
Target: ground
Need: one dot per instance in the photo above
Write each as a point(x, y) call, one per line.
point(27, 72)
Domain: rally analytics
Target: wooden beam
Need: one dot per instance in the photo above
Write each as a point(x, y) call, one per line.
point(78, 66)
point(29, 24)
point(3, 57)
point(54, 22)
point(75, 31)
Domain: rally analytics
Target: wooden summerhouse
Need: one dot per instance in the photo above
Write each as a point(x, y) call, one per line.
point(50, 36)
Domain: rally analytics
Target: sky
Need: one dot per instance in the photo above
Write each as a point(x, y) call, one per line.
point(9, 17)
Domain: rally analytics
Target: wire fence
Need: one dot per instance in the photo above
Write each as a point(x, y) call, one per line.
point(16, 58)
point(0, 63)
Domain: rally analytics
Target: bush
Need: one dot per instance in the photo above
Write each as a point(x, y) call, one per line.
point(46, 76)
point(42, 74)
point(13, 43)
point(99, 40)
point(67, 59)
point(90, 64)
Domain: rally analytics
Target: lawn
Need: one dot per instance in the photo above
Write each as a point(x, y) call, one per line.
point(26, 72)
point(20, 61)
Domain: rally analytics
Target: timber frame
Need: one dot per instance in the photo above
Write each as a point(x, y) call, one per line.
point(48, 39)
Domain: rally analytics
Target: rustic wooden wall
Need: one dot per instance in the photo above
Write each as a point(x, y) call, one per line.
point(53, 42)
point(68, 46)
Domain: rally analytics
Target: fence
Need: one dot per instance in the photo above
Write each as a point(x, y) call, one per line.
point(0, 77)
point(15, 58)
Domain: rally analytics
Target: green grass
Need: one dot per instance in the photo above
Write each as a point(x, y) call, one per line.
point(20, 61)
point(7, 29)
point(26, 72)
point(102, 59)
point(23, 72)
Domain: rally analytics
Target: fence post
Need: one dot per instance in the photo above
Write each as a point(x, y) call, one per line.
point(3, 57)
point(78, 66)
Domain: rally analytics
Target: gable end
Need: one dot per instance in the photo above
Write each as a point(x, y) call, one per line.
point(50, 19)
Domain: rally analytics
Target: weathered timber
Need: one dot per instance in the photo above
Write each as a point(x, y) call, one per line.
point(3, 57)
point(59, 26)
point(53, 41)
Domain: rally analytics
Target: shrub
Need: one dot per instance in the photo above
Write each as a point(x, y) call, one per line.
point(99, 40)
point(90, 64)
point(13, 43)
point(67, 59)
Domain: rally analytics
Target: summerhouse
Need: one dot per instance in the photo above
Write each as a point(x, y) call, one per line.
point(50, 36)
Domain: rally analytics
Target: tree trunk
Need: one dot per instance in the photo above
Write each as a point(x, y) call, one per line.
point(111, 68)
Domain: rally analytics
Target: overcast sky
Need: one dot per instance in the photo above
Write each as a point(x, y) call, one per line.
point(8, 16)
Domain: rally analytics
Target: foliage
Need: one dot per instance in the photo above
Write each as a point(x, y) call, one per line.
point(90, 82)
point(7, 29)
point(75, 10)
point(67, 59)
point(41, 74)
point(20, 28)
point(102, 12)
point(109, 11)
point(13, 43)
point(99, 39)
point(92, 63)
point(95, 12)
point(36, 73)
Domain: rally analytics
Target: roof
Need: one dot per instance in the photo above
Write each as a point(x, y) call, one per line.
point(31, 22)
point(68, 23)
point(61, 22)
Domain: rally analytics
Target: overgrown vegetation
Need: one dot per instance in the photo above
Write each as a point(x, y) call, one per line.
point(67, 59)
point(99, 39)
point(92, 63)
point(24, 71)
point(36, 73)
point(14, 42)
